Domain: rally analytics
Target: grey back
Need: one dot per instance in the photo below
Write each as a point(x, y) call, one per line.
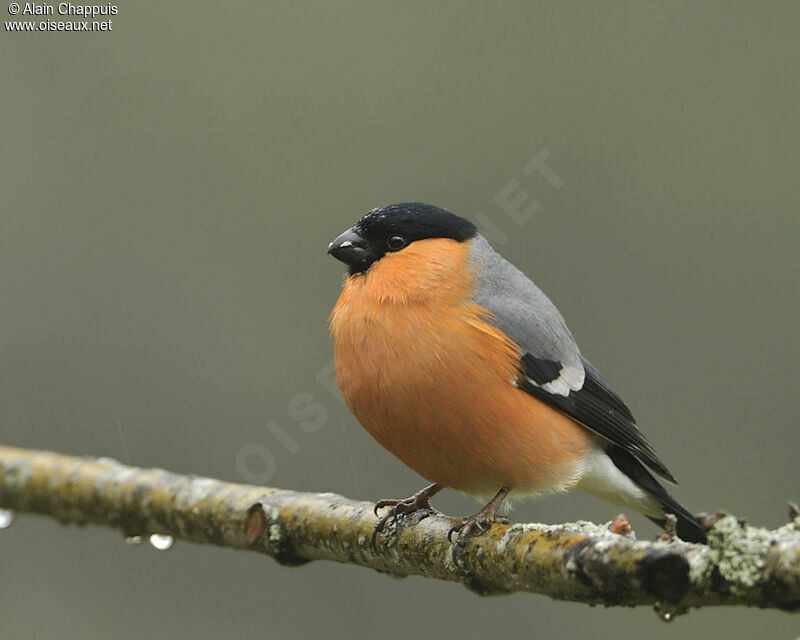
point(525, 314)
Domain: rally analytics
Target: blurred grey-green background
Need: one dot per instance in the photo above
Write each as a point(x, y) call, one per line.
point(169, 189)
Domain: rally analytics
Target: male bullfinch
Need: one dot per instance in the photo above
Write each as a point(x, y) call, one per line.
point(454, 361)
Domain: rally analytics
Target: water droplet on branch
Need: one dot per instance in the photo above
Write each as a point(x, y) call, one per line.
point(6, 518)
point(161, 542)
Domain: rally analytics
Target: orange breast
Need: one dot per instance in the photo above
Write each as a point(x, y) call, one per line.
point(433, 382)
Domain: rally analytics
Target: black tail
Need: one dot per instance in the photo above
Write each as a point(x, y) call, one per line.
point(689, 528)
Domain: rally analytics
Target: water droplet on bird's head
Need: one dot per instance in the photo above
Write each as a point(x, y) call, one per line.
point(161, 542)
point(6, 518)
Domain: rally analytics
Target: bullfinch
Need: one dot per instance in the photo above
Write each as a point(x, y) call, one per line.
point(459, 365)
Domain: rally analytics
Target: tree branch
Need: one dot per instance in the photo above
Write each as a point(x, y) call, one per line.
point(741, 565)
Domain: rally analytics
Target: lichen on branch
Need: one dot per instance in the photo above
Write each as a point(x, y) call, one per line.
point(740, 565)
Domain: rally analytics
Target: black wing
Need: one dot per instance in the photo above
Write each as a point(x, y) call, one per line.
point(595, 406)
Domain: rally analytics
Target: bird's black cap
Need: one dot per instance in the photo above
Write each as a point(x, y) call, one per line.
point(393, 227)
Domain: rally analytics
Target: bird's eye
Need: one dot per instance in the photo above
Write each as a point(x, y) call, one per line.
point(395, 243)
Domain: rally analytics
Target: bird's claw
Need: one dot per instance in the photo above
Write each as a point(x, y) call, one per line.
point(418, 502)
point(388, 502)
point(474, 525)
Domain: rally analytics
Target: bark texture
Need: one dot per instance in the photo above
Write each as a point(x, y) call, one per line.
point(741, 565)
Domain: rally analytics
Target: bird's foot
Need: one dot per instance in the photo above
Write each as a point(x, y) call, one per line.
point(420, 501)
point(480, 522)
point(474, 525)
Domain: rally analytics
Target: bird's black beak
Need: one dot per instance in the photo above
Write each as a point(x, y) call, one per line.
point(353, 250)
